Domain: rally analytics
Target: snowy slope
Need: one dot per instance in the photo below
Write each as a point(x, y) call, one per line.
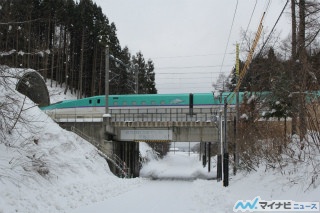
point(44, 168)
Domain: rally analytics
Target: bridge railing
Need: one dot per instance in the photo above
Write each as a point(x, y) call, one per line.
point(163, 114)
point(145, 114)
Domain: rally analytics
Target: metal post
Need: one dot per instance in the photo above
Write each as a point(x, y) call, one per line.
point(236, 152)
point(204, 156)
point(107, 117)
point(225, 147)
point(236, 155)
point(107, 81)
point(219, 158)
point(136, 69)
point(235, 145)
point(209, 156)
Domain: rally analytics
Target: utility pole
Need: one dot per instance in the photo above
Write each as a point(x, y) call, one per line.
point(107, 117)
point(302, 55)
point(225, 147)
point(209, 156)
point(107, 80)
point(236, 154)
point(81, 66)
point(219, 158)
point(136, 69)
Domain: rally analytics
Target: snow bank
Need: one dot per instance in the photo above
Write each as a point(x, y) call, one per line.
point(44, 168)
point(147, 153)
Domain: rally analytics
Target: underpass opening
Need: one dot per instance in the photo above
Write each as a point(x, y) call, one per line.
point(177, 166)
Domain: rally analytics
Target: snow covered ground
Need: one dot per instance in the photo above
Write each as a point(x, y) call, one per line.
point(176, 193)
point(44, 168)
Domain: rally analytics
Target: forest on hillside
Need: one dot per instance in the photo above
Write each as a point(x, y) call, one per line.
point(65, 40)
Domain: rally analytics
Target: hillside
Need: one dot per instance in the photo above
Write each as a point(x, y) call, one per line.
point(44, 168)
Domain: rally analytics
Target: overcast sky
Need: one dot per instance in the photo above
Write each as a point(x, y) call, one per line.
point(187, 39)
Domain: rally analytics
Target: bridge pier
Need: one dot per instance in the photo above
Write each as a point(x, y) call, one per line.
point(128, 152)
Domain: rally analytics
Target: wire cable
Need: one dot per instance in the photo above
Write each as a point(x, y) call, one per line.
point(190, 67)
point(266, 41)
point(245, 34)
point(234, 15)
point(189, 56)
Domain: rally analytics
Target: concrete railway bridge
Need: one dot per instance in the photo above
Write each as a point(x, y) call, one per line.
point(118, 133)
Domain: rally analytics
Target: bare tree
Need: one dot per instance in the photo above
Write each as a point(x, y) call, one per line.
point(12, 108)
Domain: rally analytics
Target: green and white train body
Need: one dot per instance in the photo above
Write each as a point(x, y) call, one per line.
point(140, 103)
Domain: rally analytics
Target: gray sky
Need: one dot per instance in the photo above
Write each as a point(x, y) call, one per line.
point(187, 39)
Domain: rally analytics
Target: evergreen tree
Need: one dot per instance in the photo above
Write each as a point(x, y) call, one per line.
point(65, 41)
point(149, 85)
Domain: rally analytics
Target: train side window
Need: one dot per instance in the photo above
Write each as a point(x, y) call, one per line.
point(162, 102)
point(98, 101)
point(90, 101)
point(153, 103)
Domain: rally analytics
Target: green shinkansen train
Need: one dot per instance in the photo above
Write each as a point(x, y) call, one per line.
point(152, 103)
point(196, 100)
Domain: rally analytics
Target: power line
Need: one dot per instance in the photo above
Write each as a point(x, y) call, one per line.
point(185, 83)
point(190, 67)
point(179, 78)
point(169, 86)
point(254, 8)
point(21, 22)
point(260, 52)
point(234, 15)
point(187, 73)
point(267, 7)
point(189, 56)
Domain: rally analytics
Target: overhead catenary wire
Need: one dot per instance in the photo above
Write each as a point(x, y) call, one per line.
point(180, 78)
point(190, 67)
point(187, 73)
point(189, 56)
point(267, 6)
